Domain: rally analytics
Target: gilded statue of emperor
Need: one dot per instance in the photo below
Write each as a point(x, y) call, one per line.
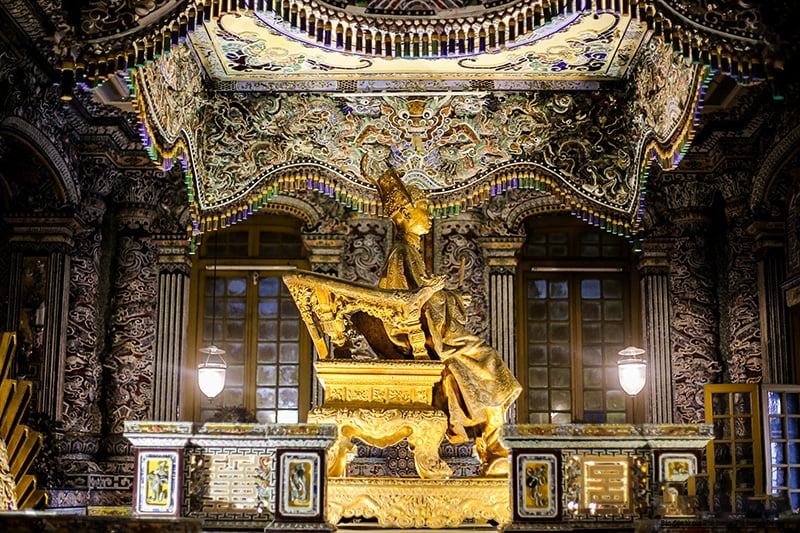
point(476, 387)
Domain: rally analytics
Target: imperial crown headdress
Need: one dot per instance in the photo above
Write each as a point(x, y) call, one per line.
point(393, 192)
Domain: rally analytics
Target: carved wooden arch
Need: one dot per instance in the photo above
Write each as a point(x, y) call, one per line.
point(773, 163)
point(40, 144)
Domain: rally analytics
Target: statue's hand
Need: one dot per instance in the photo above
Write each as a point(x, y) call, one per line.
point(431, 286)
point(436, 282)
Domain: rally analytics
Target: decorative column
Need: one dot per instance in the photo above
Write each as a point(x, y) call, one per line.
point(172, 313)
point(743, 352)
point(694, 320)
point(128, 360)
point(501, 261)
point(656, 312)
point(82, 419)
point(768, 247)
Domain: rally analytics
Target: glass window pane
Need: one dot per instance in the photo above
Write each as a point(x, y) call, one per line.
point(289, 309)
point(794, 453)
point(560, 400)
point(268, 286)
point(288, 375)
point(558, 289)
point(265, 375)
point(560, 418)
point(592, 355)
point(588, 250)
point(591, 332)
point(267, 330)
point(537, 331)
point(235, 309)
point(234, 330)
point(537, 289)
point(590, 289)
point(287, 417)
point(559, 332)
point(792, 403)
point(615, 400)
point(743, 428)
point(265, 398)
point(593, 378)
point(537, 377)
point(537, 354)
point(612, 310)
point(741, 403)
point(237, 286)
point(267, 352)
point(290, 330)
point(593, 400)
point(793, 428)
point(268, 309)
point(614, 333)
point(612, 288)
point(234, 353)
point(287, 398)
point(560, 378)
point(590, 310)
point(557, 237)
point(559, 310)
point(559, 355)
point(537, 397)
point(265, 417)
point(537, 310)
point(290, 353)
point(719, 403)
point(777, 451)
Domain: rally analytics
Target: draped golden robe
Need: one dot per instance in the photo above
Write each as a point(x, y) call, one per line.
point(477, 387)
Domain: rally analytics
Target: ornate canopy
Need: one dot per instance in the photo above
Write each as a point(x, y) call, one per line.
point(468, 99)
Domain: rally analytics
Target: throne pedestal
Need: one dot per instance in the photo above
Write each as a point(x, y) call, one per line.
point(381, 403)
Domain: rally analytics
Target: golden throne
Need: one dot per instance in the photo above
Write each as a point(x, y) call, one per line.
point(378, 401)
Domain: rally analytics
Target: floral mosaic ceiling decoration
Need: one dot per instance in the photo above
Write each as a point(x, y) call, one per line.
point(254, 54)
point(588, 148)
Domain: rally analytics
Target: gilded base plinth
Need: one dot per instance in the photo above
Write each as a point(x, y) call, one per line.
point(423, 427)
point(420, 503)
point(382, 403)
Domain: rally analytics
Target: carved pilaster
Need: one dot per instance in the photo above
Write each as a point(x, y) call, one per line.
point(743, 353)
point(457, 253)
point(172, 313)
point(50, 240)
point(694, 326)
point(501, 260)
point(656, 312)
point(768, 238)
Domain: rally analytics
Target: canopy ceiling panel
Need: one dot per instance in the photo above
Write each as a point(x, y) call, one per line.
point(245, 52)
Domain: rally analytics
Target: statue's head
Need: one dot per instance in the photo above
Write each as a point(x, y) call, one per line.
point(405, 204)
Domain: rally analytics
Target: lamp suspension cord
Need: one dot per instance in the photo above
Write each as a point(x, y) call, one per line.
point(214, 296)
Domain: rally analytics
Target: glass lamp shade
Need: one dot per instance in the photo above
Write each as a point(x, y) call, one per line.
point(211, 373)
point(632, 370)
